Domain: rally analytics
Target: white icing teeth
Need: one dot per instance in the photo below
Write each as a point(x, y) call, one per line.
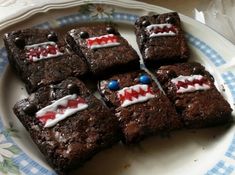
point(190, 83)
point(61, 109)
point(41, 51)
point(156, 30)
point(135, 94)
point(109, 40)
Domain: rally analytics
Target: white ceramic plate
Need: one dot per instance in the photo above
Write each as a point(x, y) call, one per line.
point(195, 152)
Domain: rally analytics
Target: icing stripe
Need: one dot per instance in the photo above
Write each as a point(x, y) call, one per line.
point(190, 83)
point(61, 109)
point(135, 94)
point(109, 40)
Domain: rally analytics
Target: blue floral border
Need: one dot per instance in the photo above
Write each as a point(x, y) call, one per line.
point(30, 167)
point(22, 161)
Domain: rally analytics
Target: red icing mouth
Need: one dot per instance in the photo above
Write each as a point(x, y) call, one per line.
point(40, 51)
point(165, 29)
point(102, 41)
point(161, 30)
point(134, 92)
point(47, 116)
point(61, 109)
point(191, 83)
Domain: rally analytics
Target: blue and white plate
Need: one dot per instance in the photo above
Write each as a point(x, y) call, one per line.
point(195, 152)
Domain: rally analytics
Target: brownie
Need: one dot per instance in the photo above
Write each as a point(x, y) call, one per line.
point(141, 108)
point(105, 50)
point(191, 88)
point(41, 57)
point(161, 39)
point(63, 121)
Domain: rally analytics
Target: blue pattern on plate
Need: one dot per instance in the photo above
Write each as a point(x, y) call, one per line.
point(72, 19)
point(30, 167)
point(221, 168)
point(231, 150)
point(45, 25)
point(125, 17)
point(3, 59)
point(229, 79)
point(25, 163)
point(213, 56)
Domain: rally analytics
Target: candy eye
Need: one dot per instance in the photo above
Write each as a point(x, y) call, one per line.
point(73, 88)
point(20, 42)
point(170, 20)
point(145, 23)
point(110, 30)
point(30, 109)
point(52, 37)
point(113, 85)
point(145, 79)
point(197, 70)
point(171, 73)
point(84, 35)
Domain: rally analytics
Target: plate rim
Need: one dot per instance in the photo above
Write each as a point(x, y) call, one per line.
point(103, 2)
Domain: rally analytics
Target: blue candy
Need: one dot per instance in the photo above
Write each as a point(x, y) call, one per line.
point(113, 85)
point(145, 79)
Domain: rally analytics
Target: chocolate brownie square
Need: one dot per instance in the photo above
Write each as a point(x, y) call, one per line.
point(40, 57)
point(191, 88)
point(67, 123)
point(105, 50)
point(141, 108)
point(161, 39)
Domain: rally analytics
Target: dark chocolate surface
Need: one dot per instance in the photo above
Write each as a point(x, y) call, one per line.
point(200, 108)
point(141, 119)
point(162, 49)
point(45, 71)
point(75, 139)
point(103, 61)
